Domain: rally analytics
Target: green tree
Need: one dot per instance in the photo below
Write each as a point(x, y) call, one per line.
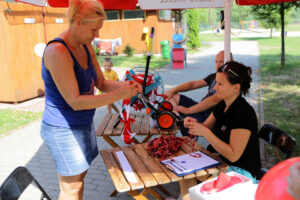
point(129, 51)
point(193, 22)
point(268, 15)
point(274, 14)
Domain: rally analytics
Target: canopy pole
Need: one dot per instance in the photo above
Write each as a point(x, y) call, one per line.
point(227, 13)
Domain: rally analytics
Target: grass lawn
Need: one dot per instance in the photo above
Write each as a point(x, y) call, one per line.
point(11, 119)
point(134, 61)
point(281, 86)
point(293, 27)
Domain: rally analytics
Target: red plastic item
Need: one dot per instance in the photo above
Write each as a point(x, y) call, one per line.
point(221, 183)
point(274, 185)
point(178, 58)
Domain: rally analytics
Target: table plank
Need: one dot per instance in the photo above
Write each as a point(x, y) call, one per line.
point(145, 125)
point(170, 174)
point(110, 127)
point(118, 130)
point(103, 124)
point(151, 165)
point(173, 130)
point(164, 131)
point(188, 149)
point(223, 167)
point(139, 167)
point(136, 126)
point(114, 171)
point(134, 186)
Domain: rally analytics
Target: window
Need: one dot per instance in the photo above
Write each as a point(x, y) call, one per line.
point(133, 14)
point(112, 15)
point(165, 15)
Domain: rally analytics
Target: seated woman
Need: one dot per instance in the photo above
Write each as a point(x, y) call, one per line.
point(231, 129)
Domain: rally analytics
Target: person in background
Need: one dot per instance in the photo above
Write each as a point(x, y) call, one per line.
point(187, 107)
point(294, 181)
point(110, 74)
point(232, 128)
point(70, 72)
point(177, 40)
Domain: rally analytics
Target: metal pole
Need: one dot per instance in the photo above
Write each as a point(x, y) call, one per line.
point(227, 12)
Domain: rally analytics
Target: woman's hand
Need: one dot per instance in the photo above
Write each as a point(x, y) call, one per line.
point(129, 90)
point(170, 94)
point(189, 122)
point(194, 127)
point(181, 109)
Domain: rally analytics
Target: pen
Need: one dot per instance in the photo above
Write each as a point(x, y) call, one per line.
point(178, 163)
point(170, 162)
point(169, 167)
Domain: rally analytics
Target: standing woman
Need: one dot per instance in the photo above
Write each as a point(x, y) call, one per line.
point(231, 129)
point(70, 71)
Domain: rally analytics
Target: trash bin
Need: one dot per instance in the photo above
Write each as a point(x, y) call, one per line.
point(165, 46)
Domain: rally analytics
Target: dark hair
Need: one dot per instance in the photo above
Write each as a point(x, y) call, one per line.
point(108, 59)
point(237, 73)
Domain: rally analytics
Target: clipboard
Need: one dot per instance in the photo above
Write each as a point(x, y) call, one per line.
point(190, 163)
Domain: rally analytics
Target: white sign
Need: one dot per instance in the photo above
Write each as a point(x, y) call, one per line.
point(180, 4)
point(59, 20)
point(29, 20)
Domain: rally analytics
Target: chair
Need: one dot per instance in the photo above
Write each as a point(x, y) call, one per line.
point(17, 182)
point(278, 138)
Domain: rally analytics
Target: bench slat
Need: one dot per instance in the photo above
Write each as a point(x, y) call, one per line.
point(170, 174)
point(139, 167)
point(145, 125)
point(110, 127)
point(136, 126)
point(151, 165)
point(114, 171)
point(103, 124)
point(134, 186)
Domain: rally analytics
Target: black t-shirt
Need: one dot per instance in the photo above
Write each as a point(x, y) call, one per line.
point(240, 115)
point(211, 82)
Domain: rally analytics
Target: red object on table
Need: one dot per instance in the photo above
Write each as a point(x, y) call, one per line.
point(178, 58)
point(222, 182)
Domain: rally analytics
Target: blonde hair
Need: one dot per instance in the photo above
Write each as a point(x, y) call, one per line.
point(83, 9)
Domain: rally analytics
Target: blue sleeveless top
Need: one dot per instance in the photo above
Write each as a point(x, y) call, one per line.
point(57, 111)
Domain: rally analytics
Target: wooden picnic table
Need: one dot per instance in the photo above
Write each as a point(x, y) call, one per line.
point(148, 170)
point(140, 126)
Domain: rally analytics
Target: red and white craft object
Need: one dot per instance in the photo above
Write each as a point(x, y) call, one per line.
point(139, 78)
point(127, 134)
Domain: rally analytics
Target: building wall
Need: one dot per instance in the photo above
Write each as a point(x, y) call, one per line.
point(20, 67)
point(131, 31)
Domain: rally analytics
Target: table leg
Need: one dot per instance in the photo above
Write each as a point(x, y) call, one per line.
point(114, 193)
point(135, 140)
point(161, 188)
point(146, 138)
point(136, 195)
point(110, 141)
point(155, 194)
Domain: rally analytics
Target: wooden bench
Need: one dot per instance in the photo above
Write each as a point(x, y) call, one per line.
point(148, 171)
point(141, 127)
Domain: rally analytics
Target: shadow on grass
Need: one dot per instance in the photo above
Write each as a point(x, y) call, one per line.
point(281, 95)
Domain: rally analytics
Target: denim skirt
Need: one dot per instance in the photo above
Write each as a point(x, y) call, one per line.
point(73, 149)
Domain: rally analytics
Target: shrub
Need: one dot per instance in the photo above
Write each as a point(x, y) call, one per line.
point(129, 51)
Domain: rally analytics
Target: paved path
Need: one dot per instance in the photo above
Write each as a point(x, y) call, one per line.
point(25, 147)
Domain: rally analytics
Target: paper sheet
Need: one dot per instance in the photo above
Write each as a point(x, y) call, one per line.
point(185, 164)
point(128, 172)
